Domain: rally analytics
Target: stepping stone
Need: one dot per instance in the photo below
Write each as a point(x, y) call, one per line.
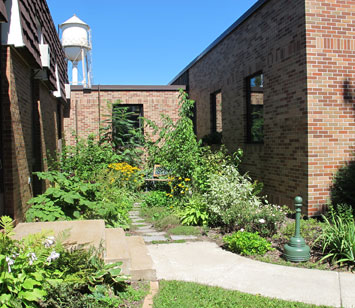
point(137, 219)
point(134, 213)
point(150, 239)
point(155, 233)
point(142, 224)
point(183, 237)
point(144, 230)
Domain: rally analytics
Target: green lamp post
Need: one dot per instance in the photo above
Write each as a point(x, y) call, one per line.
point(297, 250)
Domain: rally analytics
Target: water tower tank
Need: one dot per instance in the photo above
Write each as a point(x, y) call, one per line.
point(75, 38)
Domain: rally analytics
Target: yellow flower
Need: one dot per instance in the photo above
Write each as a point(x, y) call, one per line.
point(180, 178)
point(187, 179)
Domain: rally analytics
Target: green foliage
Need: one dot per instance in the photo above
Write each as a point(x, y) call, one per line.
point(120, 131)
point(68, 198)
point(31, 267)
point(71, 198)
point(343, 188)
point(232, 202)
point(195, 212)
point(246, 243)
point(86, 158)
point(338, 238)
point(6, 224)
point(176, 147)
point(156, 198)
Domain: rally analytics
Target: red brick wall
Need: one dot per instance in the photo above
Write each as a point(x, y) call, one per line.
point(84, 117)
point(331, 94)
point(271, 40)
point(20, 93)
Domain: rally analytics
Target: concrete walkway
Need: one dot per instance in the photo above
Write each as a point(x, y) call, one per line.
point(206, 263)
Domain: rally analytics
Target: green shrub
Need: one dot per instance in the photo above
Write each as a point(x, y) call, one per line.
point(156, 198)
point(232, 202)
point(343, 188)
point(338, 239)
point(195, 212)
point(246, 243)
point(176, 147)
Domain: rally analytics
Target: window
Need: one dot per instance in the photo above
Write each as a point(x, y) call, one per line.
point(216, 112)
point(125, 119)
point(255, 108)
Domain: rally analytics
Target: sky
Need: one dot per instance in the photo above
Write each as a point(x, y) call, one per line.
point(148, 42)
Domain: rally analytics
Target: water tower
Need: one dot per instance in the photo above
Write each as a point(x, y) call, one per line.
point(76, 40)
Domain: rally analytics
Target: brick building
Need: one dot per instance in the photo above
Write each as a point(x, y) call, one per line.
point(90, 107)
point(284, 75)
point(33, 75)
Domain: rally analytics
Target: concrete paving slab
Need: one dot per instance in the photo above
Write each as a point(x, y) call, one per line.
point(133, 213)
point(82, 232)
point(155, 233)
point(144, 229)
point(138, 219)
point(183, 237)
point(141, 224)
point(142, 266)
point(347, 289)
point(206, 263)
point(152, 238)
point(117, 248)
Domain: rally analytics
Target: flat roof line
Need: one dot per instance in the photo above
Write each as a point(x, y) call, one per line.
point(235, 25)
point(129, 88)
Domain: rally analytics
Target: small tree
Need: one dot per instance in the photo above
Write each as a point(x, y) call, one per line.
point(121, 132)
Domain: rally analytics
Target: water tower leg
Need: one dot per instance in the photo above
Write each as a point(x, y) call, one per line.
point(75, 73)
point(83, 67)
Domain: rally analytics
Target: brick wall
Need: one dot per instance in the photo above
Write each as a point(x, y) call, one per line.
point(271, 40)
point(331, 95)
point(89, 108)
point(29, 113)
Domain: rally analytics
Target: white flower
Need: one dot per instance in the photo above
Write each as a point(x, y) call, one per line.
point(53, 256)
point(49, 241)
point(241, 230)
point(32, 256)
point(9, 263)
point(262, 221)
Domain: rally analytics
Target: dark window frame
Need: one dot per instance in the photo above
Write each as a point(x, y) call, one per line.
point(213, 110)
point(249, 119)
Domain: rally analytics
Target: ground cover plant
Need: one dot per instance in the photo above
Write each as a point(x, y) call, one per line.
point(39, 271)
point(193, 295)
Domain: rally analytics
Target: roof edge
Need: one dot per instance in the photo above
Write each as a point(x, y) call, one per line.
point(229, 30)
point(129, 88)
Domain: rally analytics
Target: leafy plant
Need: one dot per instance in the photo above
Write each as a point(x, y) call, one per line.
point(195, 213)
point(156, 198)
point(338, 239)
point(176, 146)
point(232, 202)
point(343, 188)
point(247, 244)
point(120, 130)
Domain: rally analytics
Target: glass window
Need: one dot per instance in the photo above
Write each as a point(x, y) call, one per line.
point(255, 108)
point(216, 112)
